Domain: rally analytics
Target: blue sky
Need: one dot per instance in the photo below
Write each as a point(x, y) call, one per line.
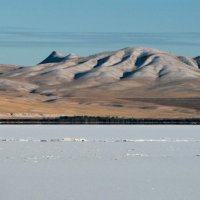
point(30, 30)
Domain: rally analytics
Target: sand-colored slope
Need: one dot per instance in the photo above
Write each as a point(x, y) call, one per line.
point(131, 82)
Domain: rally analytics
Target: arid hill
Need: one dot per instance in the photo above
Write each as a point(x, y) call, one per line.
point(131, 82)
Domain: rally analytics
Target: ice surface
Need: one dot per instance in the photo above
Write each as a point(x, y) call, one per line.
point(99, 162)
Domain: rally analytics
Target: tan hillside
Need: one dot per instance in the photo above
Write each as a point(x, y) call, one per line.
point(131, 82)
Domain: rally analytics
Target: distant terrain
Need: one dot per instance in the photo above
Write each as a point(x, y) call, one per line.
point(133, 83)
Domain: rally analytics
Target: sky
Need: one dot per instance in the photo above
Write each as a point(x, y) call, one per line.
point(32, 29)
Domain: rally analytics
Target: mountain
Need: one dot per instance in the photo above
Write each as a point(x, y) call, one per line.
point(130, 82)
point(56, 57)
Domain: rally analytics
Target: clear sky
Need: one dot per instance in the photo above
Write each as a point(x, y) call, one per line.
point(31, 29)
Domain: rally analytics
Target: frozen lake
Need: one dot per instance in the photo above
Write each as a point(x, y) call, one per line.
point(99, 162)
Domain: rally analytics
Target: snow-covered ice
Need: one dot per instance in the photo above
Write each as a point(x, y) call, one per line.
point(99, 162)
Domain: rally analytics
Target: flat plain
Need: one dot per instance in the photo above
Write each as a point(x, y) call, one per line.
point(99, 162)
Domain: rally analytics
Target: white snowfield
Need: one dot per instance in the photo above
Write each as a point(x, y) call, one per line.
point(99, 162)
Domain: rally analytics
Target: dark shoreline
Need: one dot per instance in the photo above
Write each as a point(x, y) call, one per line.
point(87, 120)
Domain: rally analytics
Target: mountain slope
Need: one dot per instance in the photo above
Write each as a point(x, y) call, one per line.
point(136, 82)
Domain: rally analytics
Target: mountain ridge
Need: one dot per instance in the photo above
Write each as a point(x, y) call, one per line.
point(108, 83)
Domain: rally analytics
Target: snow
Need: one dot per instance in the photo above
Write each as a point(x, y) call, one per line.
point(99, 162)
